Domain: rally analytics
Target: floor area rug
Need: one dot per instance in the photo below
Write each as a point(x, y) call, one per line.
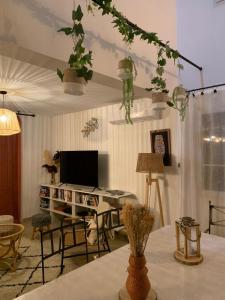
point(28, 274)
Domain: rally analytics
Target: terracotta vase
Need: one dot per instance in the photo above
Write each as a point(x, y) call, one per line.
point(137, 284)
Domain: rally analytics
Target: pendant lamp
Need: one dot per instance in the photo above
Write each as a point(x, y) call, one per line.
point(9, 123)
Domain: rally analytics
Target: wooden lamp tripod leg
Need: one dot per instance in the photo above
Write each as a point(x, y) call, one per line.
point(147, 186)
point(160, 202)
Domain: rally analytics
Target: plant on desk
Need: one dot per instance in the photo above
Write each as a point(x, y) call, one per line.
point(138, 221)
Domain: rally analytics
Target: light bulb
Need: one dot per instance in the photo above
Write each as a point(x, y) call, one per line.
point(207, 139)
point(3, 118)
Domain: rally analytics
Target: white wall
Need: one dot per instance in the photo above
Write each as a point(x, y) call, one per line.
point(200, 27)
point(122, 143)
point(36, 137)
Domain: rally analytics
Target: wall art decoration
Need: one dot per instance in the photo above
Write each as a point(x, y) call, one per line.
point(160, 143)
point(90, 126)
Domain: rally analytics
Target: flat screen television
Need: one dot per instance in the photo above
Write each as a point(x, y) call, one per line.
point(79, 167)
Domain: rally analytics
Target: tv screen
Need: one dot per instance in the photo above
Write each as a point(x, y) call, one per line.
point(79, 167)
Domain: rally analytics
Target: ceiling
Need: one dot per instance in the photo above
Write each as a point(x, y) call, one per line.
point(33, 86)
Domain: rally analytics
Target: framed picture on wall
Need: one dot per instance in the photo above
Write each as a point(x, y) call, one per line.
point(160, 143)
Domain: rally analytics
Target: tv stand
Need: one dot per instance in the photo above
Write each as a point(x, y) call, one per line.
point(70, 201)
point(96, 188)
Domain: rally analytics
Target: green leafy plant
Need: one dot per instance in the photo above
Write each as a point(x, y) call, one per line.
point(127, 73)
point(79, 60)
point(180, 105)
point(129, 31)
point(159, 82)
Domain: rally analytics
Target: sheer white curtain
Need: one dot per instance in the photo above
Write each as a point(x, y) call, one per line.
point(203, 156)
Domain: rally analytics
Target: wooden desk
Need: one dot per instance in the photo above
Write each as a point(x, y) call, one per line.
point(102, 278)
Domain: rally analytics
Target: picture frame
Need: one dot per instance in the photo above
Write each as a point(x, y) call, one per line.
point(161, 143)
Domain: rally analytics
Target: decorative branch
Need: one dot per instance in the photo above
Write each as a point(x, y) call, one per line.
point(90, 127)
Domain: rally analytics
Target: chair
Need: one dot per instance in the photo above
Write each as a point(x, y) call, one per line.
point(93, 232)
point(48, 237)
point(212, 222)
point(10, 237)
point(78, 233)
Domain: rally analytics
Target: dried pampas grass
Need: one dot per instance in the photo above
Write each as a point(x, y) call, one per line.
point(138, 221)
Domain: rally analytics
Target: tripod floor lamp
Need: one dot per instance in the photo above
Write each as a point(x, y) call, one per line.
point(151, 163)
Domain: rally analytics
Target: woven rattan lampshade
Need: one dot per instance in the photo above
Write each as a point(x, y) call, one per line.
point(150, 163)
point(9, 123)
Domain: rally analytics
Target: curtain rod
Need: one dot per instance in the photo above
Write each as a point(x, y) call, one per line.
point(206, 87)
point(25, 114)
point(135, 26)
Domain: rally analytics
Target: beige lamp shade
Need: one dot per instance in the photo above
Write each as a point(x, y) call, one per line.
point(9, 123)
point(150, 163)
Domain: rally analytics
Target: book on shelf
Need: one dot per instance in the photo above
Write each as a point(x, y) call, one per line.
point(64, 208)
point(61, 194)
point(44, 203)
point(55, 193)
point(44, 191)
point(86, 199)
point(68, 196)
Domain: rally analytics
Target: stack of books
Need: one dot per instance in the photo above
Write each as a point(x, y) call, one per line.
point(44, 191)
point(90, 200)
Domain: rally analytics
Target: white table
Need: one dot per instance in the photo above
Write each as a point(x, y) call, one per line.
point(102, 278)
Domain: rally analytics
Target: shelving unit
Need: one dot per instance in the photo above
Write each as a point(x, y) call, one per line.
point(70, 201)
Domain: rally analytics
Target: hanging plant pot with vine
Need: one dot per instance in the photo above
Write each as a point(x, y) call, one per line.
point(179, 101)
point(127, 72)
point(159, 100)
point(77, 75)
point(72, 83)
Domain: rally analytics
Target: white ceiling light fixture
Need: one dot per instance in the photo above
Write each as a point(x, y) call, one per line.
point(9, 123)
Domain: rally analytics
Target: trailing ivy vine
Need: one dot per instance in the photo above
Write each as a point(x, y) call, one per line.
point(129, 31)
point(79, 60)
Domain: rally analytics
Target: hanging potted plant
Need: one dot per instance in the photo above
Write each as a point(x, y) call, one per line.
point(179, 101)
point(127, 72)
point(158, 89)
point(77, 75)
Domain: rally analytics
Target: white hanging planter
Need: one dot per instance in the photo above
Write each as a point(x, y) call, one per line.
point(179, 93)
point(73, 84)
point(125, 68)
point(159, 100)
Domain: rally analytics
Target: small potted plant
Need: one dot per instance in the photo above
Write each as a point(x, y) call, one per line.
point(77, 75)
point(51, 164)
point(127, 72)
point(159, 92)
point(179, 101)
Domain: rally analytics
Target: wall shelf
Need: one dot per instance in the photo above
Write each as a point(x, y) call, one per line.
point(144, 115)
